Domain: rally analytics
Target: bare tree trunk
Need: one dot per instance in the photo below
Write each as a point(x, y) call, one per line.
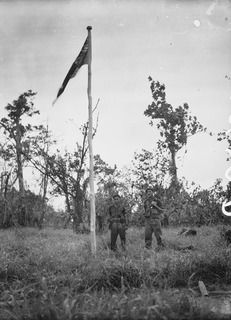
point(4, 211)
point(22, 208)
point(45, 182)
point(78, 211)
point(2, 182)
point(44, 202)
point(173, 168)
point(78, 216)
point(68, 209)
point(6, 218)
point(19, 161)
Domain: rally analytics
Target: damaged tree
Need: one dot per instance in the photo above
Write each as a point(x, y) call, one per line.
point(176, 125)
point(16, 145)
point(68, 175)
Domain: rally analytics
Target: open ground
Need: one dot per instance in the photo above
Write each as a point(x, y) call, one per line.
point(51, 274)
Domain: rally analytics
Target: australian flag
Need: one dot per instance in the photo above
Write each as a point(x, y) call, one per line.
point(77, 64)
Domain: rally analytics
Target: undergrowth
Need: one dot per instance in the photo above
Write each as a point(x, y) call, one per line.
point(51, 274)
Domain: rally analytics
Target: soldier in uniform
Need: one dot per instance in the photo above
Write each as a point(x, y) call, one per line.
point(117, 222)
point(153, 211)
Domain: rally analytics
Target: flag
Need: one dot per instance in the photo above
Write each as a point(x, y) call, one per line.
point(77, 64)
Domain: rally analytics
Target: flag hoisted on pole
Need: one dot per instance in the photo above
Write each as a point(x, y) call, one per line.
point(85, 57)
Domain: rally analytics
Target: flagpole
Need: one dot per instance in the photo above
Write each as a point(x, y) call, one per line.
point(90, 133)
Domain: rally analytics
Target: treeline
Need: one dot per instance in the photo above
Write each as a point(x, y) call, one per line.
point(66, 174)
point(13, 215)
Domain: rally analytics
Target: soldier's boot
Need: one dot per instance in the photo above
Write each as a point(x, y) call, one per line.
point(160, 243)
point(114, 247)
point(148, 244)
point(123, 245)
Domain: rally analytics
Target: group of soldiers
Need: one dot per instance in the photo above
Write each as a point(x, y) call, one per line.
point(118, 220)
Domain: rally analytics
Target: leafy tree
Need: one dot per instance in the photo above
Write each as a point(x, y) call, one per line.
point(105, 175)
point(206, 204)
point(8, 177)
point(69, 171)
point(40, 143)
point(17, 141)
point(106, 187)
point(226, 136)
point(176, 125)
point(109, 182)
point(150, 168)
point(68, 175)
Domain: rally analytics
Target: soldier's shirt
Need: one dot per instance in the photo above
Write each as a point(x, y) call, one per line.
point(117, 212)
point(151, 211)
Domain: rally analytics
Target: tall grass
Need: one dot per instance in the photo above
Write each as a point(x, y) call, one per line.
point(51, 274)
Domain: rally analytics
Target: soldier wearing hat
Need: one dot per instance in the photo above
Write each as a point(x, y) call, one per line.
point(153, 210)
point(117, 222)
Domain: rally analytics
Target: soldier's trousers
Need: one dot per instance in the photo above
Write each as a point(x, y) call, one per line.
point(150, 227)
point(118, 228)
point(100, 223)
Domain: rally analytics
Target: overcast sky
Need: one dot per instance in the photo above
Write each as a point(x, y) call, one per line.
point(184, 44)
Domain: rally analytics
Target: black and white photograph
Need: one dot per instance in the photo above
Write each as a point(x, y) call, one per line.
point(115, 159)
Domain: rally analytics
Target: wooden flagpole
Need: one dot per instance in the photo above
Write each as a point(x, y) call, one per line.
point(90, 133)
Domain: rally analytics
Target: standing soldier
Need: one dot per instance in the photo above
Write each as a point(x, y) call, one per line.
point(117, 222)
point(153, 210)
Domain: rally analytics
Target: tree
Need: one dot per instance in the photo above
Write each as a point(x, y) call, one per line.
point(68, 175)
point(149, 168)
point(68, 171)
point(106, 187)
point(111, 180)
point(17, 141)
point(105, 175)
point(206, 204)
point(226, 136)
point(40, 144)
point(176, 125)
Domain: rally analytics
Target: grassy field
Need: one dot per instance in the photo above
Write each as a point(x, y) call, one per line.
point(51, 274)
